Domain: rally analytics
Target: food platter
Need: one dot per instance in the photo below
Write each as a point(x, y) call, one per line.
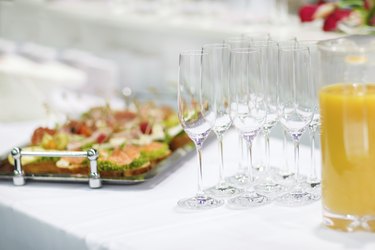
point(102, 146)
point(160, 171)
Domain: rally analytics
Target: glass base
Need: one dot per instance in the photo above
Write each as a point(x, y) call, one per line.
point(270, 188)
point(200, 202)
point(268, 185)
point(258, 168)
point(239, 180)
point(248, 199)
point(274, 171)
point(348, 223)
point(315, 187)
point(314, 183)
point(223, 191)
point(284, 176)
point(297, 198)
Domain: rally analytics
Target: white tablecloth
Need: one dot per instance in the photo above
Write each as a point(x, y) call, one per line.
point(71, 216)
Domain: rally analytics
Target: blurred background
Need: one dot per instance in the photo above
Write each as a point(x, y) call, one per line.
point(63, 56)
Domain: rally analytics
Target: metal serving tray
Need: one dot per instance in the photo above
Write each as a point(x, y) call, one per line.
point(93, 178)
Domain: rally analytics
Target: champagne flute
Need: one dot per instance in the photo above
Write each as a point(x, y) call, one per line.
point(248, 112)
point(312, 179)
point(216, 72)
point(286, 174)
point(296, 109)
point(266, 182)
point(240, 178)
point(197, 113)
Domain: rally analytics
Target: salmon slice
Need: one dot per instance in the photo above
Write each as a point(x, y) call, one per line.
point(124, 156)
point(153, 146)
point(70, 162)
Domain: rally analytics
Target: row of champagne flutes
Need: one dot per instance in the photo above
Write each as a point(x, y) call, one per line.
point(250, 82)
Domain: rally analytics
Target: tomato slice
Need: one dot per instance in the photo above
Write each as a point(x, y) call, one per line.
point(38, 134)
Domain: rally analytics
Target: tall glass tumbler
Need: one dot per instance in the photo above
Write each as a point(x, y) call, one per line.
point(347, 110)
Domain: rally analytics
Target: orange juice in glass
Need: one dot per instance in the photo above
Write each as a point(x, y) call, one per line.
point(347, 114)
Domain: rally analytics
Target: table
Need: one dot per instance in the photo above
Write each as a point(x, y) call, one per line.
point(71, 216)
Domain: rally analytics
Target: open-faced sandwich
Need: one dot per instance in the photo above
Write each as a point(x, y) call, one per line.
point(129, 143)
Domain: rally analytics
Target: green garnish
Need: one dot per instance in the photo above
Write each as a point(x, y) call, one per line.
point(110, 166)
point(47, 159)
point(171, 121)
point(156, 154)
point(87, 146)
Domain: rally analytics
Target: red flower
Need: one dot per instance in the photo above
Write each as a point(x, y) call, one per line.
point(306, 12)
point(367, 4)
point(371, 21)
point(330, 24)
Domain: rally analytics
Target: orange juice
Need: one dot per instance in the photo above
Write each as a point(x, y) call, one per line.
point(348, 155)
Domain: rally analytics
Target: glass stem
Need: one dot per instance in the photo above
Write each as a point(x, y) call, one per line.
point(221, 169)
point(296, 158)
point(200, 172)
point(240, 145)
point(250, 159)
point(267, 149)
point(286, 166)
point(313, 175)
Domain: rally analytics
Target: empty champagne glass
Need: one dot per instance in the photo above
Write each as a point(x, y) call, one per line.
point(286, 173)
point(268, 49)
point(296, 109)
point(248, 112)
point(312, 177)
point(197, 113)
point(240, 178)
point(216, 72)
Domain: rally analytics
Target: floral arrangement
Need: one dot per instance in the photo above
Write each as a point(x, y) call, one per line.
point(349, 16)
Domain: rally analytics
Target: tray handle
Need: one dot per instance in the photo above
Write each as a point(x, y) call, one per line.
point(91, 154)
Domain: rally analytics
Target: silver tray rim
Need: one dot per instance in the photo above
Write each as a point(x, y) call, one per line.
point(161, 168)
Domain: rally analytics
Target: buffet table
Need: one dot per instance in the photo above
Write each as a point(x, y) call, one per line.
point(145, 216)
